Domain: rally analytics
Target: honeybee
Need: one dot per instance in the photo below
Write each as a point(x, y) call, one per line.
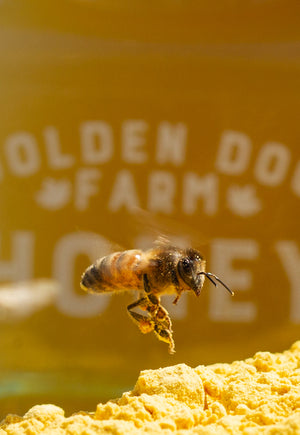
point(163, 269)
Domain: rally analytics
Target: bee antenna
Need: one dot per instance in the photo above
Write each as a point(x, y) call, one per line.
point(210, 275)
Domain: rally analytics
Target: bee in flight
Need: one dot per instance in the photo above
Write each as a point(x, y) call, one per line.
point(163, 269)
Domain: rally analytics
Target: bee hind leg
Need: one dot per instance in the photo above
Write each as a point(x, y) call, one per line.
point(163, 327)
point(160, 316)
point(157, 318)
point(165, 335)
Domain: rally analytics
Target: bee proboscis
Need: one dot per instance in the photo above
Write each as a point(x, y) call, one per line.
point(163, 269)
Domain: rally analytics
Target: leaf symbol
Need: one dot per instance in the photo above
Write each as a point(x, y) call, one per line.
point(54, 194)
point(242, 200)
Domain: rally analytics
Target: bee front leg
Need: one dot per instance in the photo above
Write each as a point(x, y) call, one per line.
point(145, 323)
point(177, 297)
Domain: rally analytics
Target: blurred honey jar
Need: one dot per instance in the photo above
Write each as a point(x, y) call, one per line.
point(187, 110)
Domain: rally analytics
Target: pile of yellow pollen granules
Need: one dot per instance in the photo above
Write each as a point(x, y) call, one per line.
point(260, 395)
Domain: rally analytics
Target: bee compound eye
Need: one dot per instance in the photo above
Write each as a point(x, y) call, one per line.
point(186, 264)
point(185, 269)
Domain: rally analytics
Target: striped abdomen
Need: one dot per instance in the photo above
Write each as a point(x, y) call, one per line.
point(118, 271)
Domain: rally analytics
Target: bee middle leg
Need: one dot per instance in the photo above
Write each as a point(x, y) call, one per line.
point(145, 323)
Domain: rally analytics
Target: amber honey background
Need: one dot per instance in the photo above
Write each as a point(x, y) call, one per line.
point(96, 96)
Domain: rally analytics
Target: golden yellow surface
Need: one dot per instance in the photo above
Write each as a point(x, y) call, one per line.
point(258, 395)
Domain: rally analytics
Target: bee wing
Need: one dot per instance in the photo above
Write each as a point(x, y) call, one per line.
point(162, 240)
point(163, 231)
point(142, 229)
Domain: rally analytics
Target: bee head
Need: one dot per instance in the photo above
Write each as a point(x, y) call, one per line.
point(190, 268)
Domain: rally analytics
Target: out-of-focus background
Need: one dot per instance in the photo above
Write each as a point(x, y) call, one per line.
point(189, 110)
